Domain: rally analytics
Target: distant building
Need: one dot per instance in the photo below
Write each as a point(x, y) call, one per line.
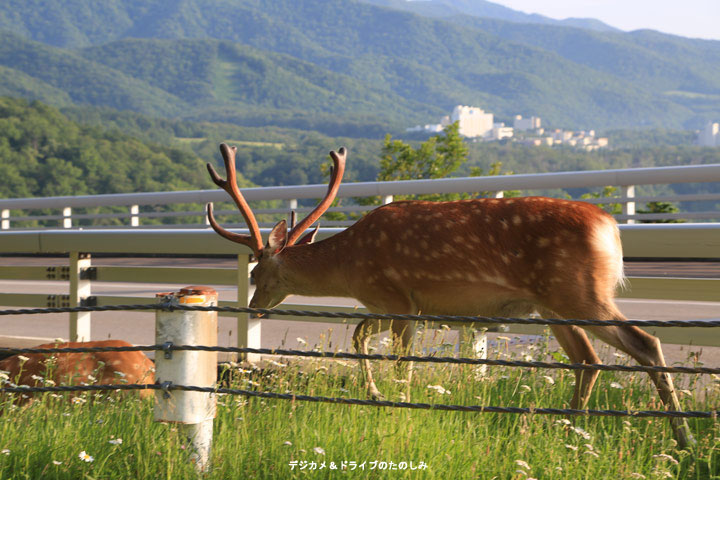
point(500, 131)
point(526, 124)
point(710, 136)
point(473, 121)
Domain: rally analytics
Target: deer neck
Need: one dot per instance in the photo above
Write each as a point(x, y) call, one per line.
point(314, 270)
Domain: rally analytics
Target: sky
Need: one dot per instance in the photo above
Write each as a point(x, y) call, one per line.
point(690, 18)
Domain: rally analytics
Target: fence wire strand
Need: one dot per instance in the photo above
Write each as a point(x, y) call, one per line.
point(373, 316)
point(9, 388)
point(167, 387)
point(359, 356)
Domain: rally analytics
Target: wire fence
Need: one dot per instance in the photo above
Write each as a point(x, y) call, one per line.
point(168, 347)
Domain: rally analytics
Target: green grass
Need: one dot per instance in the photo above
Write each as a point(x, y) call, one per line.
point(259, 438)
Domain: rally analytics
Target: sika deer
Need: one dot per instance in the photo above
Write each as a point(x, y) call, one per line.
point(125, 367)
point(490, 257)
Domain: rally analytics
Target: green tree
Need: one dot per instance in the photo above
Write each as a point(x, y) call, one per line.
point(437, 157)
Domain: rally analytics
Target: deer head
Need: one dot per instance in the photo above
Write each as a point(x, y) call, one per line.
point(271, 286)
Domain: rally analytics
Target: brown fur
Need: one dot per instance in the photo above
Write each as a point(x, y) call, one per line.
point(77, 368)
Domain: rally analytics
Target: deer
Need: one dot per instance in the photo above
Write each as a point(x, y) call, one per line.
point(495, 257)
point(113, 367)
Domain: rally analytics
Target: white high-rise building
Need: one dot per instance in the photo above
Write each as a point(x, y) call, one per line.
point(473, 121)
point(710, 136)
point(526, 124)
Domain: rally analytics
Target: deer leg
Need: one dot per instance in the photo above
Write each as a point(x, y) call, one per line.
point(403, 335)
point(576, 344)
point(647, 351)
point(361, 337)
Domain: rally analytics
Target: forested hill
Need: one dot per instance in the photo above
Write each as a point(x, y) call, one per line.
point(43, 153)
point(346, 67)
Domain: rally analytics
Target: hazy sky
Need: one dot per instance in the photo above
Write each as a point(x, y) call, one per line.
point(691, 18)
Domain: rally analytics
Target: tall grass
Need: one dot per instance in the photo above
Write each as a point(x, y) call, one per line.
point(272, 439)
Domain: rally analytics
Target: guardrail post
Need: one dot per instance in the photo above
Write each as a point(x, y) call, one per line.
point(499, 195)
point(192, 411)
point(5, 216)
point(387, 199)
point(135, 215)
point(629, 206)
point(80, 289)
point(67, 218)
point(248, 328)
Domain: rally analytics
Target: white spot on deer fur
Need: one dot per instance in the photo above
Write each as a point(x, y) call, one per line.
point(391, 273)
point(539, 264)
point(383, 236)
point(491, 238)
point(561, 253)
point(505, 258)
point(424, 244)
point(496, 280)
point(517, 220)
point(447, 248)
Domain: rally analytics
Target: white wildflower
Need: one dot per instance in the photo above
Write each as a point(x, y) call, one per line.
point(301, 341)
point(590, 452)
point(319, 450)
point(584, 434)
point(84, 456)
point(667, 457)
point(78, 400)
point(637, 476)
point(23, 358)
point(523, 464)
point(616, 385)
point(5, 451)
point(115, 442)
point(57, 462)
point(287, 443)
point(520, 471)
point(571, 447)
point(686, 392)
point(524, 389)
point(549, 379)
point(563, 422)
point(37, 378)
point(439, 389)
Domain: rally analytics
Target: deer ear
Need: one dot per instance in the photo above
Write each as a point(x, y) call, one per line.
point(309, 238)
point(278, 238)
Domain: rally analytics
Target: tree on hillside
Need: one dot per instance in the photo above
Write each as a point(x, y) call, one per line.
point(437, 157)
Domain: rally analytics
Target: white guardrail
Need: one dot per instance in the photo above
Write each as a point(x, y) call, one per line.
point(77, 211)
point(681, 241)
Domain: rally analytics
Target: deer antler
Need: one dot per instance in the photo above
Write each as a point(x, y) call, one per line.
point(254, 240)
point(336, 177)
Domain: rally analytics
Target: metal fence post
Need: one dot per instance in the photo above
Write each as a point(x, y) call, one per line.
point(5, 216)
point(193, 411)
point(387, 199)
point(248, 328)
point(80, 289)
point(629, 206)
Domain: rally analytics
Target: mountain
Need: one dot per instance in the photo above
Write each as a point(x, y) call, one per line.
point(348, 67)
point(490, 10)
